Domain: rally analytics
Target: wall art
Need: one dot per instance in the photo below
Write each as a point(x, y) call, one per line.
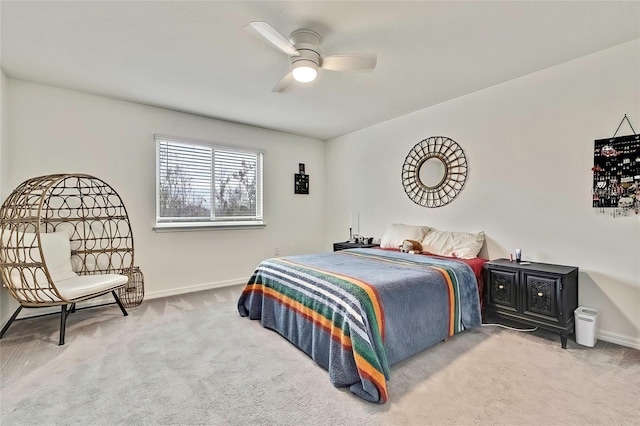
point(301, 181)
point(434, 171)
point(616, 173)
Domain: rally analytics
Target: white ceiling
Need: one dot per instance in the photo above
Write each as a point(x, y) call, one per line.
point(197, 57)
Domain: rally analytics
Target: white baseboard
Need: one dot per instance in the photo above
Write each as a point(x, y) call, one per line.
point(194, 288)
point(619, 339)
point(107, 298)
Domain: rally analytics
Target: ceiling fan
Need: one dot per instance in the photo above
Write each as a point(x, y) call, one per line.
point(303, 48)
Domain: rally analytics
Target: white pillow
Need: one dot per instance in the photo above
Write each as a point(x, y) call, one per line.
point(462, 245)
point(396, 233)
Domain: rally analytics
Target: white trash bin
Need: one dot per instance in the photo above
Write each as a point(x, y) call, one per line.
point(586, 326)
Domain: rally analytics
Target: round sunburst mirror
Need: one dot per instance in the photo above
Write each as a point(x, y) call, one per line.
point(434, 171)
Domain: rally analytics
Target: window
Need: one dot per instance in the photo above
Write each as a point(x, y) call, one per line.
point(202, 184)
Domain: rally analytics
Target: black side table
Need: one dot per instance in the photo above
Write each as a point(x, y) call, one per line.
point(540, 294)
point(347, 245)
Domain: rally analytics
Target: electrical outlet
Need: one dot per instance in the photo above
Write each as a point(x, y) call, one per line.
point(277, 252)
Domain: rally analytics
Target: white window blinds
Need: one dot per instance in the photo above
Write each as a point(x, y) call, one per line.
point(200, 184)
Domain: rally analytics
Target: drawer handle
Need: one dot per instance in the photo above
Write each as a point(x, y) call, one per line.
point(500, 286)
point(541, 294)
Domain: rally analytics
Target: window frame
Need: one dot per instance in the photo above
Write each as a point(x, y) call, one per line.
point(193, 224)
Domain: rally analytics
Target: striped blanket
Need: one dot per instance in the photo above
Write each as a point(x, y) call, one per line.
point(356, 312)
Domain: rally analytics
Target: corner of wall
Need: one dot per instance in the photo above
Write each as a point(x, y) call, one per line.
point(5, 299)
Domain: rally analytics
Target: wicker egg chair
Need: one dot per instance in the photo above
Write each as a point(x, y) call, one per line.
point(64, 238)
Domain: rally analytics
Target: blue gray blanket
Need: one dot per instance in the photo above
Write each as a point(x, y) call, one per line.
point(356, 312)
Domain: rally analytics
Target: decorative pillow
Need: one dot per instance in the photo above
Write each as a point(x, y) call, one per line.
point(462, 245)
point(396, 233)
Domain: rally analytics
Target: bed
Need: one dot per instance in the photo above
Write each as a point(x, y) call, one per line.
point(357, 312)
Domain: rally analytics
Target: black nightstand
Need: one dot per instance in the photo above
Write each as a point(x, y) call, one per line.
point(348, 245)
point(539, 294)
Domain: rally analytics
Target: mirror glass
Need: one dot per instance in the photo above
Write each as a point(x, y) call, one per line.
point(432, 172)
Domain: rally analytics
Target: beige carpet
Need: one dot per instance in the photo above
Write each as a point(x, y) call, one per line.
point(194, 360)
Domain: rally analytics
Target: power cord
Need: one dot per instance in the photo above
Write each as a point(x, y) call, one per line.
point(510, 328)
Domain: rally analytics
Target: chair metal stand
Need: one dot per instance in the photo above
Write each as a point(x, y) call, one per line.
point(11, 320)
point(63, 324)
point(64, 313)
point(115, 296)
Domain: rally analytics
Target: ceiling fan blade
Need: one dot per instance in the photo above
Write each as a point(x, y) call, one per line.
point(275, 38)
point(362, 63)
point(284, 84)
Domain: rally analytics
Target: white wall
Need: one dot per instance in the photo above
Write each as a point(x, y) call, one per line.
point(529, 144)
point(4, 130)
point(5, 306)
point(53, 130)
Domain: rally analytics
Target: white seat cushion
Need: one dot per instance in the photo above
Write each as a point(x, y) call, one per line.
point(84, 285)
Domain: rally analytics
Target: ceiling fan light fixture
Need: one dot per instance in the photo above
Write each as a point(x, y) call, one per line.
point(304, 71)
point(303, 49)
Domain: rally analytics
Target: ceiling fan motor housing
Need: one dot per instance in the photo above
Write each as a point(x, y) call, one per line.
point(307, 43)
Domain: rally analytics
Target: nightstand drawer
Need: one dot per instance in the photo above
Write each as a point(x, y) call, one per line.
point(502, 289)
point(541, 294)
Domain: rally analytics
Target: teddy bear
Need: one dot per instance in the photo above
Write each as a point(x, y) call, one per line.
point(411, 246)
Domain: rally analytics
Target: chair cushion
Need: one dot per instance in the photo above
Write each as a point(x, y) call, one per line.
point(24, 249)
point(85, 285)
point(57, 254)
point(56, 248)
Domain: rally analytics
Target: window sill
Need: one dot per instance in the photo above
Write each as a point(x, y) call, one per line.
point(209, 226)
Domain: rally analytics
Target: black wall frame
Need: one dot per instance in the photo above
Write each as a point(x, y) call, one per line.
point(301, 181)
